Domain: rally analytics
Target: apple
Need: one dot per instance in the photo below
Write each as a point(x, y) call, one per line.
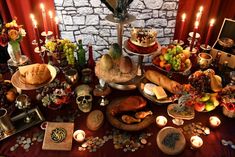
point(11, 96)
point(168, 67)
point(199, 106)
point(209, 106)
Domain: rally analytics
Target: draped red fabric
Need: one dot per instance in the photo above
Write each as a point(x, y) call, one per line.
point(21, 9)
point(218, 9)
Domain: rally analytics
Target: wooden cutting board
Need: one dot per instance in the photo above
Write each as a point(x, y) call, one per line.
point(66, 144)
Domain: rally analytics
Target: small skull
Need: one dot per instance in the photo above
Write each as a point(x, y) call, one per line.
point(84, 98)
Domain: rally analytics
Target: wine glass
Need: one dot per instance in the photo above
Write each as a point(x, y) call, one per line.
point(23, 103)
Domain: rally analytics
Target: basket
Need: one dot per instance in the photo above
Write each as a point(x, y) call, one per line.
point(229, 113)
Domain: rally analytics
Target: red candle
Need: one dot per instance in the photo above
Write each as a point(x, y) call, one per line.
point(182, 25)
point(199, 14)
point(56, 27)
point(52, 25)
point(37, 34)
point(194, 35)
point(212, 21)
point(44, 17)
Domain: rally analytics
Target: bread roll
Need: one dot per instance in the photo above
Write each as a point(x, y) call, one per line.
point(162, 80)
point(35, 74)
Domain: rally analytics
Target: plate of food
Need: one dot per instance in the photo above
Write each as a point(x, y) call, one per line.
point(173, 59)
point(33, 76)
point(113, 67)
point(130, 113)
point(158, 87)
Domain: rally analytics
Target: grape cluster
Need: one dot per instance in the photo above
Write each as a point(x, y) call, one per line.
point(4, 88)
point(200, 82)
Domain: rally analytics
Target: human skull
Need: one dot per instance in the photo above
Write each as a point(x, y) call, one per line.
point(84, 98)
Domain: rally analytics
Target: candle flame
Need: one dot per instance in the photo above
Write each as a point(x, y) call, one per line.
point(196, 24)
point(56, 20)
point(183, 17)
point(212, 21)
point(32, 16)
point(42, 6)
point(198, 15)
point(201, 9)
point(50, 14)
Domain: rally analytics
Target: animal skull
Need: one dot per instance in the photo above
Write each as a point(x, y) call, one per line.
point(84, 98)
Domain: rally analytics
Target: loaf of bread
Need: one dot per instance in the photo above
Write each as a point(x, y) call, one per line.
point(161, 80)
point(35, 74)
point(95, 120)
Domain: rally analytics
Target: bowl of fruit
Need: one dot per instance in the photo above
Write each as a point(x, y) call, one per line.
point(173, 59)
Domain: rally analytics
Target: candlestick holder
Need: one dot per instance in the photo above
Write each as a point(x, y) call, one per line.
point(47, 35)
point(205, 48)
point(34, 42)
point(178, 42)
point(41, 52)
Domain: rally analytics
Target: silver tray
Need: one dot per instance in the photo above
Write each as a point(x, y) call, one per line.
point(20, 125)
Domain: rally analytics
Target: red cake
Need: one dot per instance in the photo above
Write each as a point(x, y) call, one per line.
point(142, 50)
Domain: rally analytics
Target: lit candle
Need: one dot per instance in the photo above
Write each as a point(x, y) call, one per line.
point(56, 27)
point(161, 121)
point(214, 121)
point(52, 25)
point(182, 25)
point(199, 14)
point(194, 35)
point(44, 17)
point(79, 135)
point(207, 131)
point(196, 141)
point(212, 21)
point(37, 34)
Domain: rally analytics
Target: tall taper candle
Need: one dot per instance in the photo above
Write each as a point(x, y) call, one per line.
point(194, 35)
point(212, 21)
point(44, 18)
point(56, 27)
point(37, 34)
point(182, 26)
point(52, 24)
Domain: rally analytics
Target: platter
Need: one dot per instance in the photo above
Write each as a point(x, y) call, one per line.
point(153, 98)
point(157, 51)
point(116, 122)
point(19, 82)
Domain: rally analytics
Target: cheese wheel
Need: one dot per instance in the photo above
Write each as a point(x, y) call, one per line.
point(148, 88)
point(95, 120)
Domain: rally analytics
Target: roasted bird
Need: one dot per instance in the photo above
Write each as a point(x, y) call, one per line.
point(129, 119)
point(143, 114)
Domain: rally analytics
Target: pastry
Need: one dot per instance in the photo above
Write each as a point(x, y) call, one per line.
point(161, 80)
point(159, 92)
point(35, 74)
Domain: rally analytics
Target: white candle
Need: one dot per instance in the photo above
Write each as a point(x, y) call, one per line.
point(214, 121)
point(196, 141)
point(79, 135)
point(161, 121)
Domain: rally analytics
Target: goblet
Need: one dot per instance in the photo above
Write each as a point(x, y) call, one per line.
point(102, 90)
point(23, 103)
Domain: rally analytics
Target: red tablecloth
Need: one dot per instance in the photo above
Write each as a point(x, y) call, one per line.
point(212, 146)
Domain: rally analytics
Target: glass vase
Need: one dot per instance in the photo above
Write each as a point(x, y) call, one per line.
point(14, 51)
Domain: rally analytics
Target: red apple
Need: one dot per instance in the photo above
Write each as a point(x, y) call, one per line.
point(168, 67)
point(199, 106)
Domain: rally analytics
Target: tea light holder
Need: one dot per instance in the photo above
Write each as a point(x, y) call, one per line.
point(214, 121)
point(79, 135)
point(161, 121)
point(196, 142)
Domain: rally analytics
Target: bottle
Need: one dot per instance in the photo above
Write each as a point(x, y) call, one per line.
point(81, 55)
point(90, 62)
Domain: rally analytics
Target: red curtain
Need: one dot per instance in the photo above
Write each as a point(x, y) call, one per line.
point(21, 9)
point(218, 9)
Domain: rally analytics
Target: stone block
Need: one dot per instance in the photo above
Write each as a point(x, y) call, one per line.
point(68, 3)
point(71, 28)
point(156, 22)
point(98, 10)
point(89, 30)
point(95, 3)
point(137, 4)
point(79, 3)
point(153, 4)
point(85, 10)
point(169, 13)
point(160, 32)
point(59, 8)
point(104, 32)
point(138, 23)
point(171, 23)
point(155, 13)
point(164, 41)
point(144, 16)
point(92, 20)
point(167, 31)
point(67, 20)
point(86, 39)
point(68, 35)
point(161, 13)
point(100, 41)
point(58, 2)
point(79, 20)
point(169, 6)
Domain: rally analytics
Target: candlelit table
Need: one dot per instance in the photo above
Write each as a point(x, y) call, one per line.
point(211, 147)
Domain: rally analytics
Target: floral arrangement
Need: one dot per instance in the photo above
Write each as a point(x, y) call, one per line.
point(55, 94)
point(62, 48)
point(11, 33)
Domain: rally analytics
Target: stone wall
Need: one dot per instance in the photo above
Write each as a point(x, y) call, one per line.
point(85, 19)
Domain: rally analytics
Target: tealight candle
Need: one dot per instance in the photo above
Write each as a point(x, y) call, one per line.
point(79, 135)
point(214, 121)
point(196, 141)
point(161, 121)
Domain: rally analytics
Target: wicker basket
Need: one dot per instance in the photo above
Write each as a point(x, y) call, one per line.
point(229, 113)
